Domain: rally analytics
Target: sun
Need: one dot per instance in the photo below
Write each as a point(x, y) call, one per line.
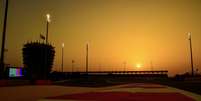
point(138, 65)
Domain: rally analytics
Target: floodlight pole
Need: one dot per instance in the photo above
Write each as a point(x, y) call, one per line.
point(46, 51)
point(3, 41)
point(124, 63)
point(87, 50)
point(151, 64)
point(62, 60)
point(191, 53)
point(47, 27)
point(73, 65)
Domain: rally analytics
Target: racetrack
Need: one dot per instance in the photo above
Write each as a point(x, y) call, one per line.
point(126, 92)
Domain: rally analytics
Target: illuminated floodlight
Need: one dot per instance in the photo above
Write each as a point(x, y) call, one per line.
point(62, 44)
point(48, 17)
point(189, 35)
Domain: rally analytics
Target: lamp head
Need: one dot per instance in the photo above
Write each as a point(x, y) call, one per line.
point(189, 35)
point(48, 17)
point(62, 44)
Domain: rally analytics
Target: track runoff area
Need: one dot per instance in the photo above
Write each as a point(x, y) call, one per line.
point(127, 92)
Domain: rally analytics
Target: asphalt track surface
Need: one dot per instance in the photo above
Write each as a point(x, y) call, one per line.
point(125, 92)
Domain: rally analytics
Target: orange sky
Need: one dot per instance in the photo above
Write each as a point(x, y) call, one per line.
point(118, 31)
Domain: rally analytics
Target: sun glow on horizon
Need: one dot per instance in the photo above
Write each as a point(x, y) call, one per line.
point(138, 65)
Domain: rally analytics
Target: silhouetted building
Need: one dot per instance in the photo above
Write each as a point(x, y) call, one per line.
point(38, 59)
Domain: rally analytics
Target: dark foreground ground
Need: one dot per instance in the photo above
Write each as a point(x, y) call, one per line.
point(122, 92)
point(192, 85)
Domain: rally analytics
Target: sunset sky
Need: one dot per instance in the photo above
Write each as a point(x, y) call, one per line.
point(135, 32)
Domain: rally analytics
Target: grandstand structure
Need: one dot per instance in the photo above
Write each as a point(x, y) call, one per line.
point(161, 73)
